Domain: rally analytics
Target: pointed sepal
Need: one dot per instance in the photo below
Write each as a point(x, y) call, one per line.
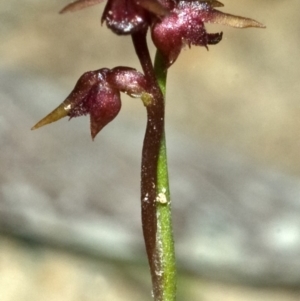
point(60, 112)
point(217, 17)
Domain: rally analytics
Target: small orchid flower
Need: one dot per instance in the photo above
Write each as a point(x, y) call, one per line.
point(98, 93)
point(184, 25)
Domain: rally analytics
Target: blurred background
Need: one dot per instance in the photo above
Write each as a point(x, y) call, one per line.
point(69, 208)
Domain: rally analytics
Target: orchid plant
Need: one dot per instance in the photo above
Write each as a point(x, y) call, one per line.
point(173, 24)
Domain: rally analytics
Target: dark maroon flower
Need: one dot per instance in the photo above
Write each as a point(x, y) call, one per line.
point(184, 25)
point(101, 101)
point(123, 16)
point(97, 93)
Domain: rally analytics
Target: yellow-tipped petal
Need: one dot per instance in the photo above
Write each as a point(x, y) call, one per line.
point(235, 21)
point(60, 112)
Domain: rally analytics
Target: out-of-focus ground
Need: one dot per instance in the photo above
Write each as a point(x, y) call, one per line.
point(35, 272)
point(69, 207)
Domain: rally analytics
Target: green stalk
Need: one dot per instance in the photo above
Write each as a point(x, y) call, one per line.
point(164, 235)
point(155, 194)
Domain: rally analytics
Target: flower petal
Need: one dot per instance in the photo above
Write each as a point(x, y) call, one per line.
point(104, 104)
point(215, 16)
point(78, 5)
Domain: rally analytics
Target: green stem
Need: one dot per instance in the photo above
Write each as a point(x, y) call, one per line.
point(155, 195)
point(164, 235)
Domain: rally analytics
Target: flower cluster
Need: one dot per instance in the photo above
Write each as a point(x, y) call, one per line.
point(173, 24)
